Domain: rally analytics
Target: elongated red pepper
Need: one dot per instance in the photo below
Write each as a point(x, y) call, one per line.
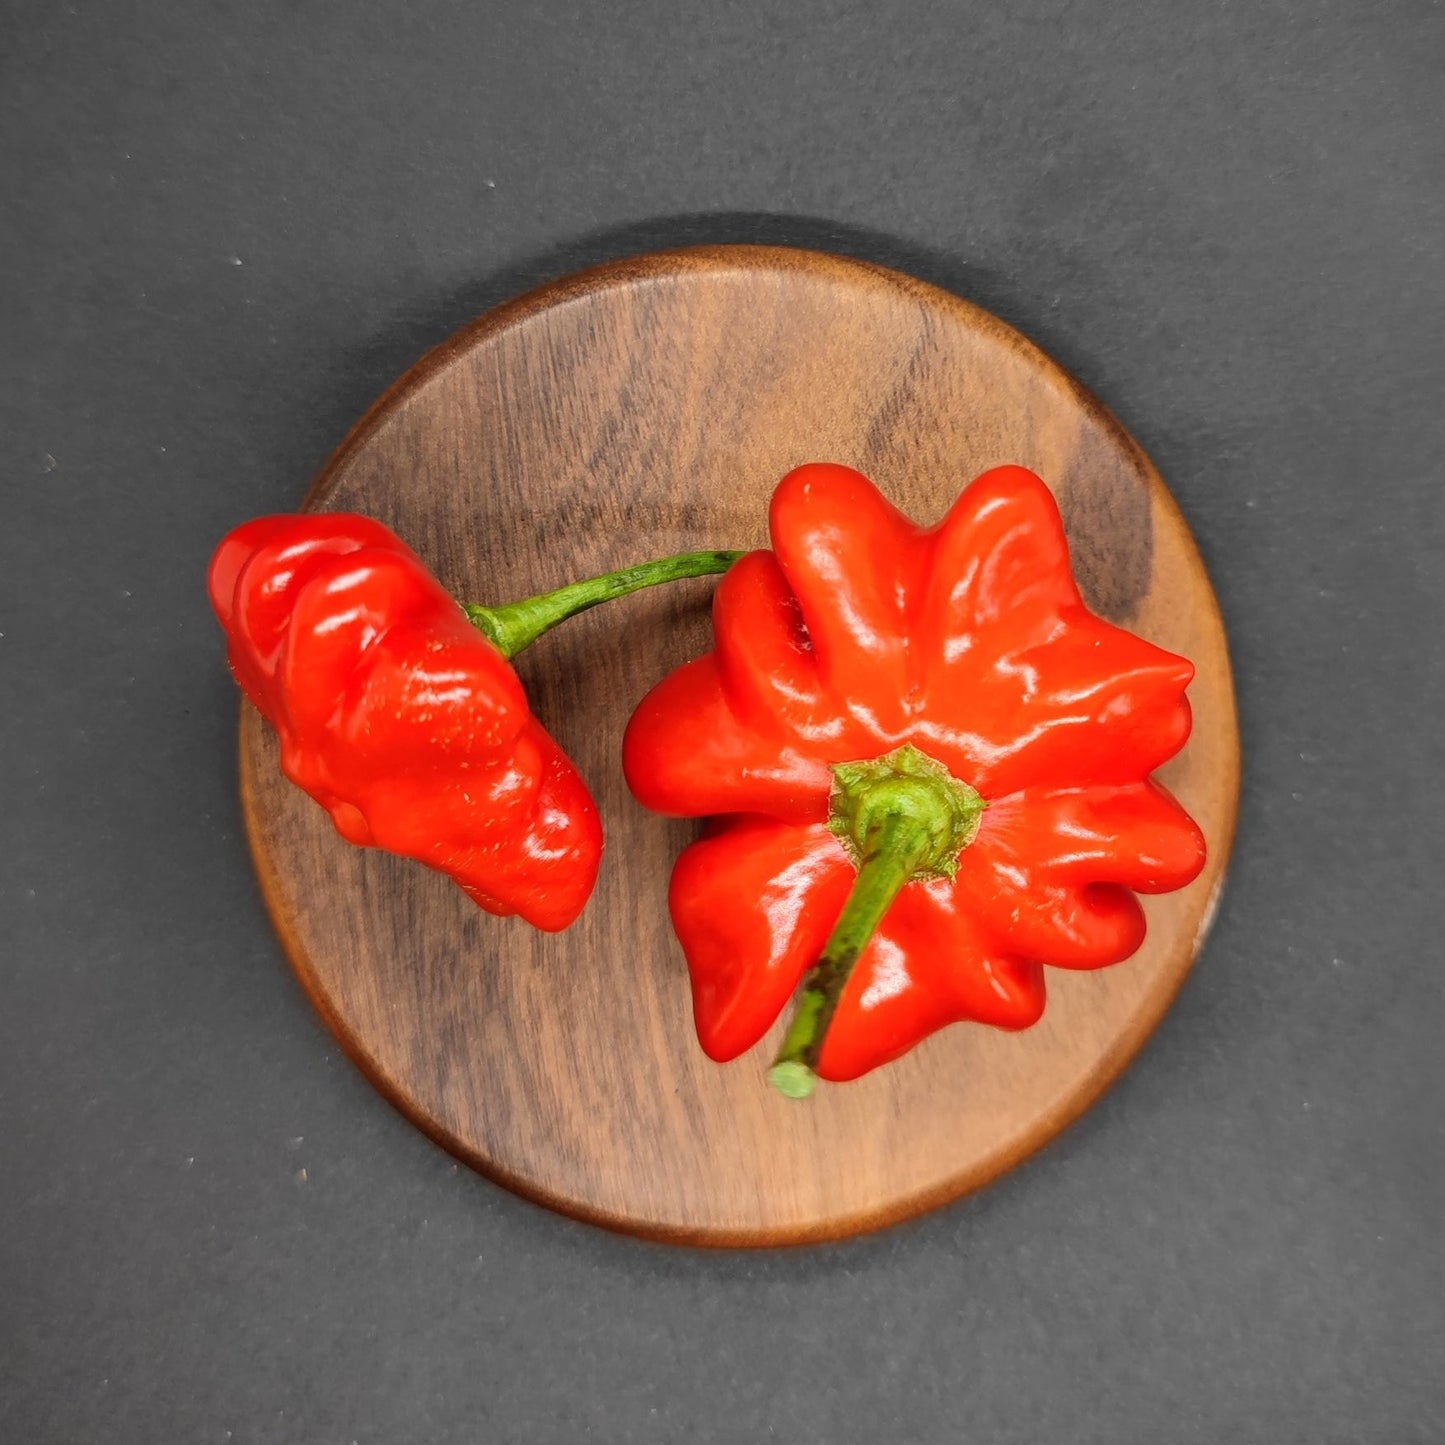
point(931, 764)
point(398, 712)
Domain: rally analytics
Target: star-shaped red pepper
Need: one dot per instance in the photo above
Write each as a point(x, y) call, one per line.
point(931, 724)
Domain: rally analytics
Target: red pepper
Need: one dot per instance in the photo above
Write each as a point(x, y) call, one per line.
point(932, 764)
point(398, 712)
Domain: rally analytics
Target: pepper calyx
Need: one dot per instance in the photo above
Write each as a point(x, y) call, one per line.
point(943, 811)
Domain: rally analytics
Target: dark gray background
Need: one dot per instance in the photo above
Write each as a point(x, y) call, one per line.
point(225, 227)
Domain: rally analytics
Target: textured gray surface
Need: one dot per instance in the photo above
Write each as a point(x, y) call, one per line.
point(225, 228)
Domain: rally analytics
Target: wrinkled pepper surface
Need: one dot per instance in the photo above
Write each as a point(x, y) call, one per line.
point(399, 716)
point(928, 765)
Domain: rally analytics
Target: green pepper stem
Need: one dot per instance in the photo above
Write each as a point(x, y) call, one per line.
point(516, 625)
point(896, 846)
point(901, 816)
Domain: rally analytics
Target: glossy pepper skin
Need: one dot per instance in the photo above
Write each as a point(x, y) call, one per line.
point(399, 717)
point(858, 633)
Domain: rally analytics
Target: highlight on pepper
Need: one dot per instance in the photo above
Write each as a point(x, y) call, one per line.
point(398, 712)
point(929, 765)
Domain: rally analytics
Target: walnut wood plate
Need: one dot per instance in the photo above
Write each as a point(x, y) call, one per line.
point(644, 408)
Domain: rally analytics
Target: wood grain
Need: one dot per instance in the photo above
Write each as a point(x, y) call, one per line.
point(644, 408)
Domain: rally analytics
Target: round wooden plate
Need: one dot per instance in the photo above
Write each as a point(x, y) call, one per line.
point(644, 408)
